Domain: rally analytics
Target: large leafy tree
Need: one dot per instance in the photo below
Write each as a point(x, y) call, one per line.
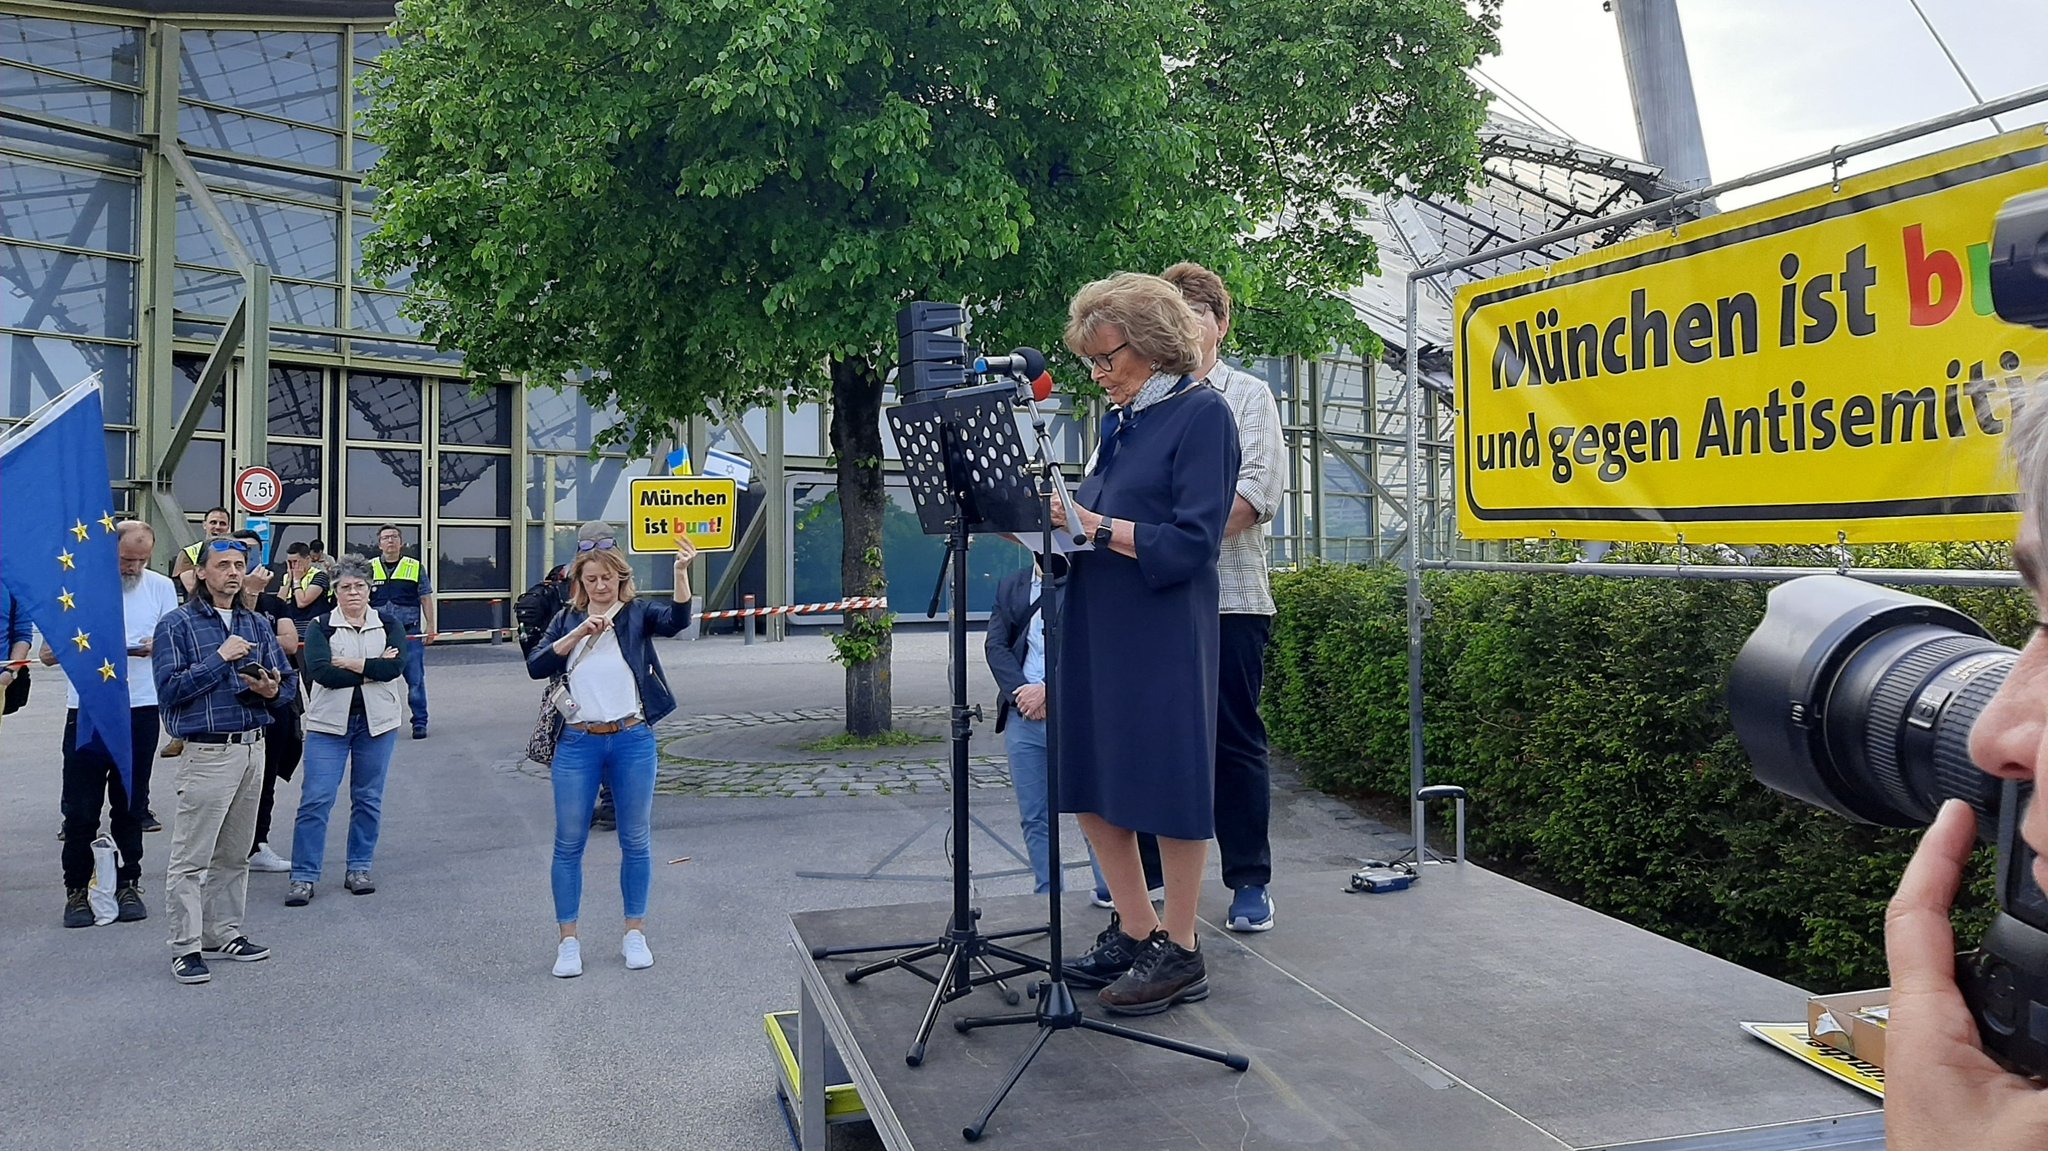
point(726, 201)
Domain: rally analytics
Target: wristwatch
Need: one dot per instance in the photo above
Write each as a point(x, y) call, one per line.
point(1102, 532)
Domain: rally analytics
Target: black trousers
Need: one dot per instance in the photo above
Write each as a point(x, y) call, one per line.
point(1244, 784)
point(1244, 780)
point(283, 745)
point(91, 782)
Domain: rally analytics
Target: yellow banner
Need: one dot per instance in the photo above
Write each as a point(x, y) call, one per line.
point(1822, 366)
point(705, 507)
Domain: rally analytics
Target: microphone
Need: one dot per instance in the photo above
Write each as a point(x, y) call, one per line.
point(1027, 364)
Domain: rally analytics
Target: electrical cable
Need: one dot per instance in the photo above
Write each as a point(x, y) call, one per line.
point(1953, 62)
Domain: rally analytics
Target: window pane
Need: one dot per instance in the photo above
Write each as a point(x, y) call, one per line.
point(198, 483)
point(283, 339)
point(475, 486)
point(361, 538)
point(480, 420)
point(378, 312)
point(471, 614)
point(586, 490)
point(298, 466)
point(120, 456)
point(421, 353)
point(184, 378)
point(205, 293)
point(559, 419)
point(71, 99)
point(384, 408)
point(295, 401)
point(293, 75)
point(384, 482)
point(910, 556)
point(60, 145)
point(67, 206)
point(101, 51)
point(35, 371)
point(293, 241)
point(248, 178)
point(61, 292)
point(304, 305)
point(371, 43)
point(249, 136)
point(474, 559)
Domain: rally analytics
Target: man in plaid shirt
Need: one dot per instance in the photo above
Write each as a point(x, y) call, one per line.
point(219, 672)
point(1243, 786)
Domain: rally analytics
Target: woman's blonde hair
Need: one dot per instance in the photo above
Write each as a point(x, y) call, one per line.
point(607, 557)
point(1151, 313)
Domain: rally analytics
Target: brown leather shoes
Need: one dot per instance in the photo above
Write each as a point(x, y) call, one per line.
point(1163, 974)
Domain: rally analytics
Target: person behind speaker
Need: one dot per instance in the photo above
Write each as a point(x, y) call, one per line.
point(1941, 1090)
point(1135, 693)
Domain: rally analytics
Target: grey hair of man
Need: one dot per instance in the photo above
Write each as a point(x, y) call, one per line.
point(128, 530)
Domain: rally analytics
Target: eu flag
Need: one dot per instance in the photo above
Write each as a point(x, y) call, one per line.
point(58, 557)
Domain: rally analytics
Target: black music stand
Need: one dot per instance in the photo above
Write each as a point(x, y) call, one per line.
point(1056, 1010)
point(968, 473)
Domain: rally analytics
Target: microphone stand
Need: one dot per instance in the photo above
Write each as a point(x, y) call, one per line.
point(1057, 1009)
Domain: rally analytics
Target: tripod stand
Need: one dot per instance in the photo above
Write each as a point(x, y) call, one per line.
point(965, 464)
point(1056, 1010)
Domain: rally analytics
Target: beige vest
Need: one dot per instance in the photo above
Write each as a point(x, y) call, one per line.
point(383, 702)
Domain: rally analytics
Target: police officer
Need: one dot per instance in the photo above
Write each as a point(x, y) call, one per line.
point(399, 585)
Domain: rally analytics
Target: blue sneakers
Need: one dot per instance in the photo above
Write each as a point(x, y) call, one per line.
point(1251, 909)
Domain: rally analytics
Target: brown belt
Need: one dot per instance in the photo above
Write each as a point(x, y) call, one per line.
point(612, 728)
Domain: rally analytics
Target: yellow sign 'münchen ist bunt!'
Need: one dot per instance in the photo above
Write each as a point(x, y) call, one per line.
point(1819, 367)
point(704, 507)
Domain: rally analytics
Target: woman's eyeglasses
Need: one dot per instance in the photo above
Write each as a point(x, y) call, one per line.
point(1106, 360)
point(600, 544)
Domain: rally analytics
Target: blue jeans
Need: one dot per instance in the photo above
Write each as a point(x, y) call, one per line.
point(625, 762)
point(368, 760)
point(1024, 739)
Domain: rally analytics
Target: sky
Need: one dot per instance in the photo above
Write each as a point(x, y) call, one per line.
point(1780, 79)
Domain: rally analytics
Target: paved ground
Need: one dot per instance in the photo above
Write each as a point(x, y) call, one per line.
point(424, 1016)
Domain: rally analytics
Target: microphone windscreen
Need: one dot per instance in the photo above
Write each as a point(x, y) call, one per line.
point(1041, 387)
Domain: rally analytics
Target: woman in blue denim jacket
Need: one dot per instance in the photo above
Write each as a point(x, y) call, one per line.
point(603, 642)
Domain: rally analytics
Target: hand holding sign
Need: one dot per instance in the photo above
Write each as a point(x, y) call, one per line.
point(685, 550)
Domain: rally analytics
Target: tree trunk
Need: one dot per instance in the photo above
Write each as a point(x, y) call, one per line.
point(857, 452)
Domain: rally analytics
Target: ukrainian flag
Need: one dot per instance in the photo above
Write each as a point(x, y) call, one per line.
point(679, 462)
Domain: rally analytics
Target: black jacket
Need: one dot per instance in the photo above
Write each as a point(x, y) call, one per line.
point(1009, 639)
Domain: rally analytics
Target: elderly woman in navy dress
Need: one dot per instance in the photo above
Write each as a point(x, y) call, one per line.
point(1135, 688)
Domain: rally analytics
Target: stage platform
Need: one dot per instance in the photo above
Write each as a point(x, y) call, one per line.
point(1468, 1012)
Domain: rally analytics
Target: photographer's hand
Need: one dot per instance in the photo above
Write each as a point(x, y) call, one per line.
point(1941, 1089)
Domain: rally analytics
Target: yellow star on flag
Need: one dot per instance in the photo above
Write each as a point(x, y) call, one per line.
point(65, 597)
point(65, 559)
point(79, 529)
point(107, 521)
point(107, 671)
point(83, 640)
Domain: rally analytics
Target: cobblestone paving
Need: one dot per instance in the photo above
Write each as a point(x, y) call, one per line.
point(756, 756)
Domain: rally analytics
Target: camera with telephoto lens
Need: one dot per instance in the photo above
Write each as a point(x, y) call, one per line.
point(1860, 700)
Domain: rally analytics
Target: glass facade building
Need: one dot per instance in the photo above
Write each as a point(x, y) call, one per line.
point(182, 205)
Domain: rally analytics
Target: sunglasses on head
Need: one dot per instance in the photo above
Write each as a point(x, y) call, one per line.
point(601, 544)
point(220, 545)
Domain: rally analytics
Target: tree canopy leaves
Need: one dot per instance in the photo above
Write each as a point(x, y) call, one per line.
point(708, 200)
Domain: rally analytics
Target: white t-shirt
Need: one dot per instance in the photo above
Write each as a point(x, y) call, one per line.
point(142, 606)
point(602, 684)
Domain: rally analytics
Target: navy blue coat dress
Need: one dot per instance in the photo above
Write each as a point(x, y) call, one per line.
point(1135, 681)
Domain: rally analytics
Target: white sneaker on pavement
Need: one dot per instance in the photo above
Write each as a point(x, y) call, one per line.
point(569, 959)
point(636, 953)
point(268, 860)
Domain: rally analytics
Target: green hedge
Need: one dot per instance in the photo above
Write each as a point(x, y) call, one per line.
point(1587, 718)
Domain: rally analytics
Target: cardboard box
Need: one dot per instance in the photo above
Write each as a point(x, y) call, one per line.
point(1852, 1023)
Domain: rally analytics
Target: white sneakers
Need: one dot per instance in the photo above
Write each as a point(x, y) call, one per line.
point(635, 950)
point(569, 959)
point(268, 860)
point(569, 955)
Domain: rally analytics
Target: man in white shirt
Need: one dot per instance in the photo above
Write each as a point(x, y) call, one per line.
point(1243, 784)
point(91, 779)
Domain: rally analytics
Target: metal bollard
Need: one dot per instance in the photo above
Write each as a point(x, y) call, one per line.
point(747, 621)
point(497, 621)
point(1451, 792)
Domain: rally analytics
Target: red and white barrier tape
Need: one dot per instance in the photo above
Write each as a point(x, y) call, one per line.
point(857, 603)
